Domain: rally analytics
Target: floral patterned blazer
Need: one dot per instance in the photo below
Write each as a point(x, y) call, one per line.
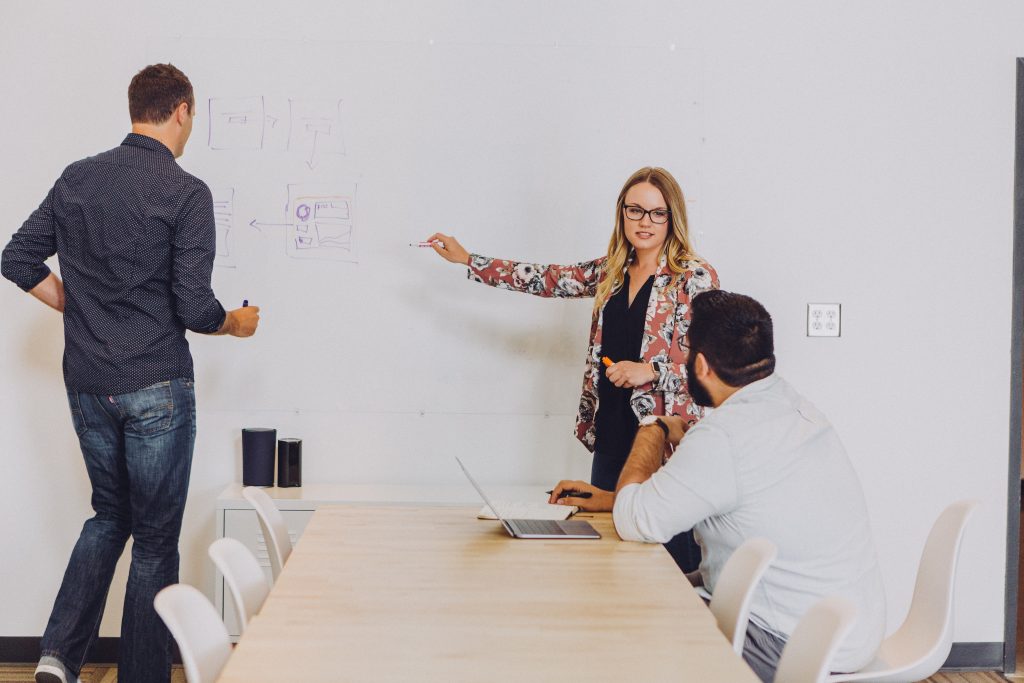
point(667, 319)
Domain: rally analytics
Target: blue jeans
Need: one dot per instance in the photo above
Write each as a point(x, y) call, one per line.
point(138, 453)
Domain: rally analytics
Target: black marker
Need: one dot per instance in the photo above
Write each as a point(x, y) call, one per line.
point(568, 493)
point(245, 303)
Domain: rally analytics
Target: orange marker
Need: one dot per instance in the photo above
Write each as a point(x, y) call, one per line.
point(608, 362)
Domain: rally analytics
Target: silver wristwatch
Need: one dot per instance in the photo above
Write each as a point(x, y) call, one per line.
point(654, 420)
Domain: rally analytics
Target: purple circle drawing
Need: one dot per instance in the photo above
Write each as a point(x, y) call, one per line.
point(302, 212)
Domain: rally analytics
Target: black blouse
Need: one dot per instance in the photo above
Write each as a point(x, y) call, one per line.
point(622, 335)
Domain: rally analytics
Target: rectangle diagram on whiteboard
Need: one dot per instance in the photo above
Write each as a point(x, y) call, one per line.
point(310, 128)
point(315, 128)
point(223, 216)
point(321, 222)
point(236, 123)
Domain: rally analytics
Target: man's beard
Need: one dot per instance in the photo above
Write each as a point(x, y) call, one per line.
point(697, 391)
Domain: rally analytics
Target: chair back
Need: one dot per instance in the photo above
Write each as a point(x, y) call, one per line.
point(734, 590)
point(195, 625)
point(920, 646)
point(926, 636)
point(815, 640)
point(243, 577)
point(275, 531)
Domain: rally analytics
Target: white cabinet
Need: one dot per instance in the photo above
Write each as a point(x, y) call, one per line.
point(243, 525)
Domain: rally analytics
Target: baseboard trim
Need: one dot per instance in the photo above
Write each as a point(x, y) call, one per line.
point(975, 657)
point(25, 650)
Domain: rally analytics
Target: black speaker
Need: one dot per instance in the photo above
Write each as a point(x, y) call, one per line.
point(258, 456)
point(289, 462)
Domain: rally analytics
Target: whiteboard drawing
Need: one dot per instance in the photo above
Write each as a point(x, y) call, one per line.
point(307, 127)
point(224, 218)
point(236, 123)
point(315, 128)
point(321, 222)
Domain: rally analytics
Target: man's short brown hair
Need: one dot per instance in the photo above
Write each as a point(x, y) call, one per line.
point(156, 92)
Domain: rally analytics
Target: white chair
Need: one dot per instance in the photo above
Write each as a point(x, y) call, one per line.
point(201, 636)
point(275, 532)
point(814, 641)
point(919, 647)
point(734, 590)
point(243, 576)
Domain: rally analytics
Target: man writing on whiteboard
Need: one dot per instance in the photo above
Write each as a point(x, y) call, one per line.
point(135, 238)
point(764, 463)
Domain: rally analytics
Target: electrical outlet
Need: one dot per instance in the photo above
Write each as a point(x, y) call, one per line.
point(823, 320)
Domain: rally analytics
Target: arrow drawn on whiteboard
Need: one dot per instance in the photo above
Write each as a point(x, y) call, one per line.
point(312, 153)
point(259, 225)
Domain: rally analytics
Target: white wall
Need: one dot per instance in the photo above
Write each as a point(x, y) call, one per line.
point(857, 152)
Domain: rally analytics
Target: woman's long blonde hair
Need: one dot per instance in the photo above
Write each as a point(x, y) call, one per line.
point(677, 248)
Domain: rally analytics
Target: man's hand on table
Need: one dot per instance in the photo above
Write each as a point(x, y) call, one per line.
point(599, 500)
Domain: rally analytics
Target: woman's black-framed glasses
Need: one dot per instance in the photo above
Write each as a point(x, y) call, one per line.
point(636, 213)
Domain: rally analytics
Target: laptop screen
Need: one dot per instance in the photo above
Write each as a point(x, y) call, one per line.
point(478, 489)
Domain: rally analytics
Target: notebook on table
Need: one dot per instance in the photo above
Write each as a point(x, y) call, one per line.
point(519, 509)
point(534, 528)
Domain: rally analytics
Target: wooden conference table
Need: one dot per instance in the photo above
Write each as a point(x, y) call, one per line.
point(401, 593)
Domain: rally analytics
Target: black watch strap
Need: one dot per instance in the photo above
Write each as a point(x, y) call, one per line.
point(651, 420)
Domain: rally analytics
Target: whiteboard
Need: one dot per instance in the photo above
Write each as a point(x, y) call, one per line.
point(327, 159)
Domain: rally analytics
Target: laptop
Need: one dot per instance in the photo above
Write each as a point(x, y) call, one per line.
point(536, 528)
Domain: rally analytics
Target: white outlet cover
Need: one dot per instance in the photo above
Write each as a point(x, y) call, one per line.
point(824, 320)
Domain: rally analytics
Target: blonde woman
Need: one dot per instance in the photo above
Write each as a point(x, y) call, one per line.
point(642, 290)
